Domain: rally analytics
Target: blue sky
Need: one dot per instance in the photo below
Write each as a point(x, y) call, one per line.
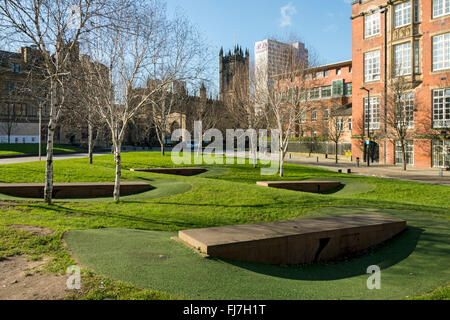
point(324, 25)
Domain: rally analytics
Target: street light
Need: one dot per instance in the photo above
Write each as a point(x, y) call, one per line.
point(368, 142)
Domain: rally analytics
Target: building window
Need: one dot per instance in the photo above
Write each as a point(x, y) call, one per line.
point(372, 25)
point(416, 57)
point(441, 153)
point(314, 93)
point(441, 108)
point(338, 88)
point(416, 11)
point(402, 14)
point(314, 115)
point(325, 114)
point(325, 73)
point(348, 89)
point(303, 116)
point(372, 66)
point(326, 92)
point(406, 118)
point(350, 69)
point(402, 59)
point(409, 152)
point(8, 87)
point(441, 52)
point(372, 114)
point(441, 8)
point(350, 124)
point(338, 71)
point(15, 67)
point(340, 124)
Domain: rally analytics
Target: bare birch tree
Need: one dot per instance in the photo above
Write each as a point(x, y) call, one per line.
point(335, 130)
point(242, 106)
point(53, 26)
point(399, 114)
point(140, 43)
point(285, 102)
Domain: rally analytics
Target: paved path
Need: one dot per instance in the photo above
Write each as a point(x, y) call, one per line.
point(55, 157)
point(377, 170)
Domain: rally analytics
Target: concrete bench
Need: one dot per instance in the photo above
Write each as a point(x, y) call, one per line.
point(292, 242)
point(73, 190)
point(173, 171)
point(304, 186)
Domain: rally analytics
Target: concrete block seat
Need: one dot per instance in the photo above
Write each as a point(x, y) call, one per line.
point(293, 242)
point(73, 190)
point(304, 186)
point(174, 171)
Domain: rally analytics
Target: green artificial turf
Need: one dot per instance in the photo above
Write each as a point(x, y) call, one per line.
point(225, 195)
point(33, 148)
point(413, 263)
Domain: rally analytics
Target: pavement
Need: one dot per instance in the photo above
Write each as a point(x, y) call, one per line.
point(430, 175)
point(55, 157)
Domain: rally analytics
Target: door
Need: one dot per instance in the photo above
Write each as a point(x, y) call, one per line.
point(441, 153)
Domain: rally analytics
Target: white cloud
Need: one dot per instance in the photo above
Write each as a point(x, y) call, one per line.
point(287, 12)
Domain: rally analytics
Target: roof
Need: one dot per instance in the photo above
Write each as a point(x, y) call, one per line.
point(7, 54)
point(345, 110)
point(322, 67)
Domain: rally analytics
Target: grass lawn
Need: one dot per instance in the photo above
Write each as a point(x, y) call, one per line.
point(414, 264)
point(30, 148)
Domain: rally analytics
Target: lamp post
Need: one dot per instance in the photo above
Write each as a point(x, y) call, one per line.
point(367, 143)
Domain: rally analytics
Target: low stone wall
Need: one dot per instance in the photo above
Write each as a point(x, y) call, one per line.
point(173, 171)
point(293, 242)
point(304, 186)
point(72, 190)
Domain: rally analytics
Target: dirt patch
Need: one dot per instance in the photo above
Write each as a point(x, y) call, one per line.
point(35, 231)
point(2, 203)
point(20, 279)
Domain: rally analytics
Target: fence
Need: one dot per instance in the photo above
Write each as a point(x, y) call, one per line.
point(319, 147)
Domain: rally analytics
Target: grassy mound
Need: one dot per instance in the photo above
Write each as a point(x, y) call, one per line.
point(413, 263)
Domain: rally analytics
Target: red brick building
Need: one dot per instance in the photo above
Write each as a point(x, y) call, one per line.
point(410, 39)
point(330, 95)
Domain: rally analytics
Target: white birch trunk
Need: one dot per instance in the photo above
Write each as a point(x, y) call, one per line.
point(48, 190)
point(117, 160)
point(90, 142)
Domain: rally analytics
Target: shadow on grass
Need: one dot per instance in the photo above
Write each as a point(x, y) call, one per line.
point(384, 255)
point(132, 219)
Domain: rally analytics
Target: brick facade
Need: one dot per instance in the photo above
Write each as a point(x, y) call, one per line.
point(419, 31)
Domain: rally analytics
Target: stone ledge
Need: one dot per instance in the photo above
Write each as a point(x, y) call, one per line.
point(304, 186)
point(174, 171)
point(72, 190)
point(292, 242)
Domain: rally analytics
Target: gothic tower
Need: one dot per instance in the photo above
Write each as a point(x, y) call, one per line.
point(233, 67)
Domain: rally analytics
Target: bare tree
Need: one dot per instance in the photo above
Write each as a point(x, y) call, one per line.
point(164, 103)
point(335, 130)
point(243, 106)
point(140, 43)
point(399, 114)
point(79, 106)
point(12, 107)
point(52, 26)
point(200, 109)
point(285, 103)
